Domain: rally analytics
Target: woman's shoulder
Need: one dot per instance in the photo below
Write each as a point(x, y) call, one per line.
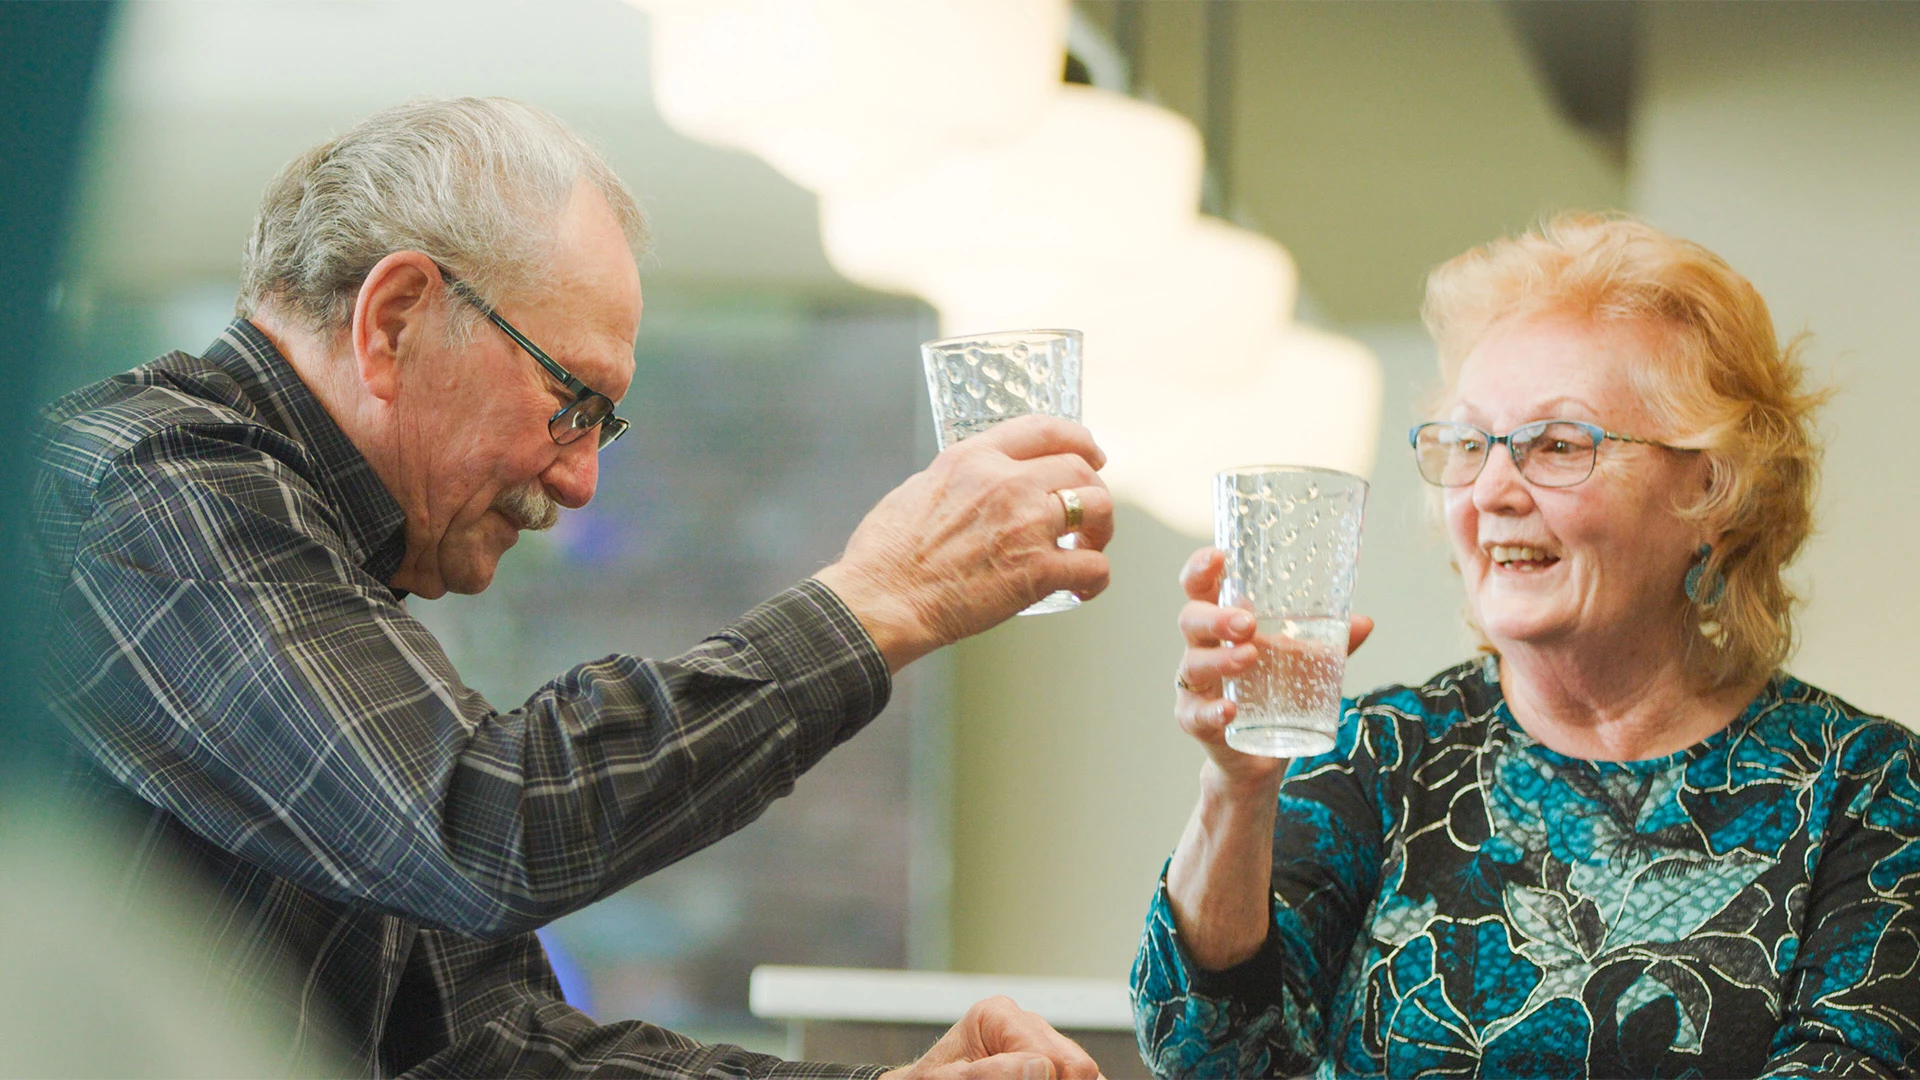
point(1802, 719)
point(1856, 765)
point(1461, 698)
point(1800, 738)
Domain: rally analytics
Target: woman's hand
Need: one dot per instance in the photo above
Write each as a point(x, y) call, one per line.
point(1220, 645)
point(1221, 871)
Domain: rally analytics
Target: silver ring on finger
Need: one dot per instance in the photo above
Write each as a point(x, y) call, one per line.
point(1076, 511)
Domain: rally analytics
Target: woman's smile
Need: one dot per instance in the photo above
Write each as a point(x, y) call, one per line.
point(1520, 558)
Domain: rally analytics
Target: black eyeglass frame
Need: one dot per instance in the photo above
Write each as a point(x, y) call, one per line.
point(567, 421)
point(1516, 441)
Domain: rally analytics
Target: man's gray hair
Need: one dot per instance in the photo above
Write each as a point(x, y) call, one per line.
point(477, 184)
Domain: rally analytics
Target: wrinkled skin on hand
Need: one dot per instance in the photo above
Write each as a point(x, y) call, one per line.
point(1221, 643)
point(970, 541)
point(1000, 1040)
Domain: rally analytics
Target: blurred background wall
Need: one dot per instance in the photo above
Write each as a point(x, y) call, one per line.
point(1012, 808)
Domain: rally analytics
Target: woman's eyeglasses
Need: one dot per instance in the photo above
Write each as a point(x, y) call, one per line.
point(1550, 453)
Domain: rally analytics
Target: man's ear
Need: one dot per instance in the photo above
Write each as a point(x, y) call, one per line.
point(394, 312)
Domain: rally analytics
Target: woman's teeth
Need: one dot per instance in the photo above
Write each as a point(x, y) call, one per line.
point(1509, 554)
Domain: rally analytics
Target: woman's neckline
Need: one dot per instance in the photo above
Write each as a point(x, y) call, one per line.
point(1489, 673)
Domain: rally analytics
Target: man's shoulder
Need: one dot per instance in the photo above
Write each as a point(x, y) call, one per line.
point(150, 441)
point(87, 432)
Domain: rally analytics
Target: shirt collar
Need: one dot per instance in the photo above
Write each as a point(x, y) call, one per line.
point(374, 520)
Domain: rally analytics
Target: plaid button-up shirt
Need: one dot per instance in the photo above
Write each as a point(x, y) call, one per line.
point(238, 675)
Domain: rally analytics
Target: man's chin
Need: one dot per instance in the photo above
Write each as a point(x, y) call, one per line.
point(472, 579)
point(464, 563)
point(471, 572)
point(474, 574)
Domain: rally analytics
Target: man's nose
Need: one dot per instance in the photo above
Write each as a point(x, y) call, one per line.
point(575, 473)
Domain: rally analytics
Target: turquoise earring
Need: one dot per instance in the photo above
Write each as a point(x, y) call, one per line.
point(1702, 589)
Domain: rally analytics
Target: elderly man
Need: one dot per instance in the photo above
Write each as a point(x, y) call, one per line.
point(437, 322)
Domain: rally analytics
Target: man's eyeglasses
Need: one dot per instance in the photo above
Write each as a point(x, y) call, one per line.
point(1550, 453)
point(589, 408)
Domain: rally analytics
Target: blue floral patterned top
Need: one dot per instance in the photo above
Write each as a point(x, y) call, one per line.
point(1452, 898)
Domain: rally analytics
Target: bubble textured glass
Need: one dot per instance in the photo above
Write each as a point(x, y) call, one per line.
point(979, 380)
point(1292, 540)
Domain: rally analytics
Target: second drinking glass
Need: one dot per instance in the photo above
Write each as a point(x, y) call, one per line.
point(1292, 539)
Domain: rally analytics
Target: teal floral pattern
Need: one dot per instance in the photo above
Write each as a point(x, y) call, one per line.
point(1451, 898)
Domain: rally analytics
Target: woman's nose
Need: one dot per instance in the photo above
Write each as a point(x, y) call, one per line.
point(1500, 487)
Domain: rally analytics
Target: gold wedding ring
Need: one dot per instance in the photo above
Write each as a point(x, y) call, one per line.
point(1070, 499)
point(1180, 680)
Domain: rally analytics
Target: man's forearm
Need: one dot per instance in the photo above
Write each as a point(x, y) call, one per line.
point(342, 754)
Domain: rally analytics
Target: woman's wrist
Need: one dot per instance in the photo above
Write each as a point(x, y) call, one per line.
point(1219, 878)
point(1257, 785)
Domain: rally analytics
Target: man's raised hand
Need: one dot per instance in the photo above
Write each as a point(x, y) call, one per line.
point(970, 541)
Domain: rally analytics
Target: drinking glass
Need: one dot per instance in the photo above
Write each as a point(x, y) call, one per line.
point(981, 379)
point(1292, 539)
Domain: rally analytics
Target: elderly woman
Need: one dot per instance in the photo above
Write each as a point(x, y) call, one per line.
point(1621, 842)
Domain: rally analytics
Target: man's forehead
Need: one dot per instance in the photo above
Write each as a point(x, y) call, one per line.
point(590, 309)
point(603, 360)
point(602, 317)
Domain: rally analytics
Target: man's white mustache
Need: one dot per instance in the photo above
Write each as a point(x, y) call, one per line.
point(528, 507)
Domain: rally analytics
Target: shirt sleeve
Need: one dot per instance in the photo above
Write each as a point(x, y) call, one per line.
point(218, 652)
point(507, 1018)
point(1269, 1015)
point(1852, 1005)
